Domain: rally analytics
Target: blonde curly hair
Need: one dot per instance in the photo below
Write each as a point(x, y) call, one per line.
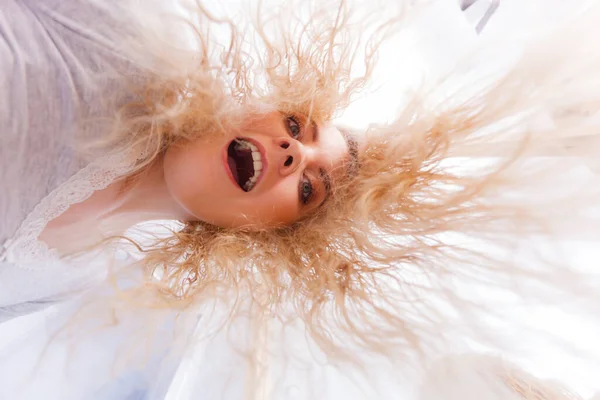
point(464, 376)
point(397, 231)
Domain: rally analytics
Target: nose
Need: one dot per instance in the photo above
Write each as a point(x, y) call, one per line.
point(291, 155)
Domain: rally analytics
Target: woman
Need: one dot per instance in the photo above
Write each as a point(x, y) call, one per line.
point(277, 203)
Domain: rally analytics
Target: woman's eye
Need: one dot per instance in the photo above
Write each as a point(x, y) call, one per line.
point(305, 190)
point(294, 127)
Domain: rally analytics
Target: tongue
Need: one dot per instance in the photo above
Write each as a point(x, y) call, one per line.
point(232, 167)
point(240, 164)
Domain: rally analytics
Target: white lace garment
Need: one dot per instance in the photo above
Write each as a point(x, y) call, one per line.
point(59, 63)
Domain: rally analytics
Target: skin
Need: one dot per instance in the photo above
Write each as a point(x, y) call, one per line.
point(197, 178)
point(191, 182)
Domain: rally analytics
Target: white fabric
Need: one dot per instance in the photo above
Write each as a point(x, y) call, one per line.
point(65, 67)
point(62, 63)
point(67, 50)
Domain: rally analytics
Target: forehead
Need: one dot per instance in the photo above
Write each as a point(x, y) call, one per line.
point(336, 160)
point(341, 146)
point(332, 144)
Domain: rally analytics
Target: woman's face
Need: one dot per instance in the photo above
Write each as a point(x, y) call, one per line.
point(273, 171)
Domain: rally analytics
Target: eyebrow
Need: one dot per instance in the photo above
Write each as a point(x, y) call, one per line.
point(352, 144)
point(326, 179)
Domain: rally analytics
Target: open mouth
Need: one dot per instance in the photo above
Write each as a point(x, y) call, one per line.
point(245, 163)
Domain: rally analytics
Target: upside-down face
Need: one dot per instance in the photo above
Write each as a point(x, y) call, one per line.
point(272, 171)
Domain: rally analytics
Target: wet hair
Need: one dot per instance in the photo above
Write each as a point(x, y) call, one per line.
point(397, 232)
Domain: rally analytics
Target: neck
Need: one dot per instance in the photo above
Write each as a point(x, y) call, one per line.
point(144, 197)
point(113, 210)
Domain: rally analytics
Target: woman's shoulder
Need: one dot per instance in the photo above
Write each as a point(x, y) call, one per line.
point(84, 36)
point(66, 66)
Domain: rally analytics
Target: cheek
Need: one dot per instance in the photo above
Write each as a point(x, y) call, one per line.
point(278, 206)
point(199, 184)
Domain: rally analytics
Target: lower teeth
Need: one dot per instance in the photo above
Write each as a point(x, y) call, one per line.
point(241, 145)
point(249, 185)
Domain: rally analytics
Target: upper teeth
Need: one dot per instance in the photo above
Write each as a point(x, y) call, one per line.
point(256, 158)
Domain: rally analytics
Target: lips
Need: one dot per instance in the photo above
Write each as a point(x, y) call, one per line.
point(245, 163)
